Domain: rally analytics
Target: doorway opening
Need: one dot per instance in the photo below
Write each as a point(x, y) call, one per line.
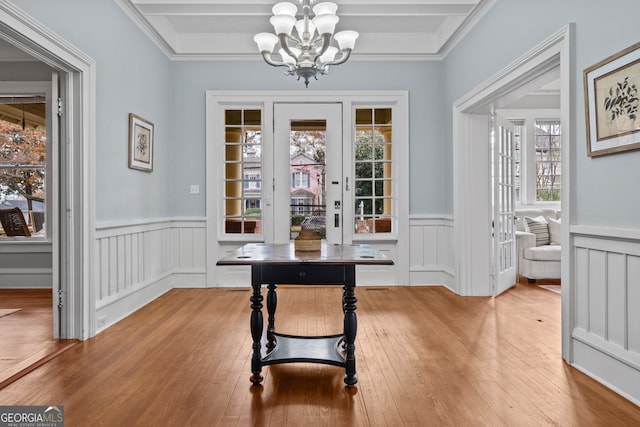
point(549, 60)
point(71, 219)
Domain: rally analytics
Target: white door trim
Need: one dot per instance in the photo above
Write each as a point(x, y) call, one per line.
point(77, 154)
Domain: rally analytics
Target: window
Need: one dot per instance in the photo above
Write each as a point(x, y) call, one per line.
point(251, 180)
point(373, 179)
point(301, 205)
point(517, 165)
point(548, 167)
point(300, 180)
point(243, 171)
point(252, 204)
point(23, 159)
point(537, 136)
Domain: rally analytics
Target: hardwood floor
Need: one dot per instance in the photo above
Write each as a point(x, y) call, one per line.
point(425, 357)
point(26, 336)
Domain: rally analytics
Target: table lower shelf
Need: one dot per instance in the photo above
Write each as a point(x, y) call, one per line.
point(292, 348)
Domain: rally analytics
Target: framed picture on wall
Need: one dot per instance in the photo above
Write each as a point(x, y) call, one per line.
point(611, 103)
point(140, 143)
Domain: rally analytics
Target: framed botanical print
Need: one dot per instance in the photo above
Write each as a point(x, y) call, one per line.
point(611, 103)
point(140, 143)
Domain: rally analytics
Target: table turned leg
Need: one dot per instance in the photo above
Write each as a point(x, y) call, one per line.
point(256, 333)
point(272, 303)
point(350, 330)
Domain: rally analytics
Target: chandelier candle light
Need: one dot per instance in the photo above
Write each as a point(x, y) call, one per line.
point(307, 51)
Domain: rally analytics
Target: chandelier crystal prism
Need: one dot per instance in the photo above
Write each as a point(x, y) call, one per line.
point(306, 47)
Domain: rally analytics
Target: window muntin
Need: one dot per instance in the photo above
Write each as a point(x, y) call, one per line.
point(547, 139)
point(243, 171)
point(23, 161)
point(373, 171)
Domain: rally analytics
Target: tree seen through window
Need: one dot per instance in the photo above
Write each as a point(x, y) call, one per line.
point(23, 153)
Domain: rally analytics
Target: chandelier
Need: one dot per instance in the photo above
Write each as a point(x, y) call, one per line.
point(308, 50)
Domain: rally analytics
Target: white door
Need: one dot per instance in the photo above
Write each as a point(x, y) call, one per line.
point(308, 171)
point(503, 219)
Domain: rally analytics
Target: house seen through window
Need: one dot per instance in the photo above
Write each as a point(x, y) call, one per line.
point(372, 180)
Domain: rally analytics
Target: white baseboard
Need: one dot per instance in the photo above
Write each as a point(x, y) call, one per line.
point(609, 371)
point(189, 279)
point(110, 312)
point(26, 278)
point(431, 278)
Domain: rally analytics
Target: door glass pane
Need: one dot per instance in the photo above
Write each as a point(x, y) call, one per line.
point(373, 173)
point(307, 152)
point(243, 172)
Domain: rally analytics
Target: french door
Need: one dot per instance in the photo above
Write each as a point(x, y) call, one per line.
point(503, 220)
point(280, 163)
point(308, 171)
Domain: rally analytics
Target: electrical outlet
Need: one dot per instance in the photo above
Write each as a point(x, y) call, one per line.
point(195, 189)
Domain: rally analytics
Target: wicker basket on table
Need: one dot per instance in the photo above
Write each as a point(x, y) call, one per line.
point(307, 241)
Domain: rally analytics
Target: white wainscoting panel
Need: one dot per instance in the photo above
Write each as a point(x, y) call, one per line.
point(189, 253)
point(431, 251)
point(25, 264)
point(136, 263)
point(607, 310)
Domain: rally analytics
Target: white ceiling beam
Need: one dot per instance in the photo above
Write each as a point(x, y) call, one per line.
point(240, 10)
point(219, 29)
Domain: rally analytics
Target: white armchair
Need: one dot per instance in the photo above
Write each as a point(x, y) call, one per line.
point(538, 257)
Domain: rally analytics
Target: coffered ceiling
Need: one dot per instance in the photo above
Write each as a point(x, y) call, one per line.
point(224, 29)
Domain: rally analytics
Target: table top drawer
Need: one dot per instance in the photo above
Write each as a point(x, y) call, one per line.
point(306, 274)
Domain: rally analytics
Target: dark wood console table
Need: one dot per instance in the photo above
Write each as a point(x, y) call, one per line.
point(281, 264)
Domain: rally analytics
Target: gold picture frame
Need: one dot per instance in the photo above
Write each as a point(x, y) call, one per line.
point(612, 102)
point(140, 143)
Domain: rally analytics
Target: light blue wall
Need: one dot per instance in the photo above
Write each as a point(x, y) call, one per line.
point(604, 190)
point(132, 75)
point(190, 80)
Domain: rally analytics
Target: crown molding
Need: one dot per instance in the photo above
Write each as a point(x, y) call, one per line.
point(136, 16)
point(478, 12)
